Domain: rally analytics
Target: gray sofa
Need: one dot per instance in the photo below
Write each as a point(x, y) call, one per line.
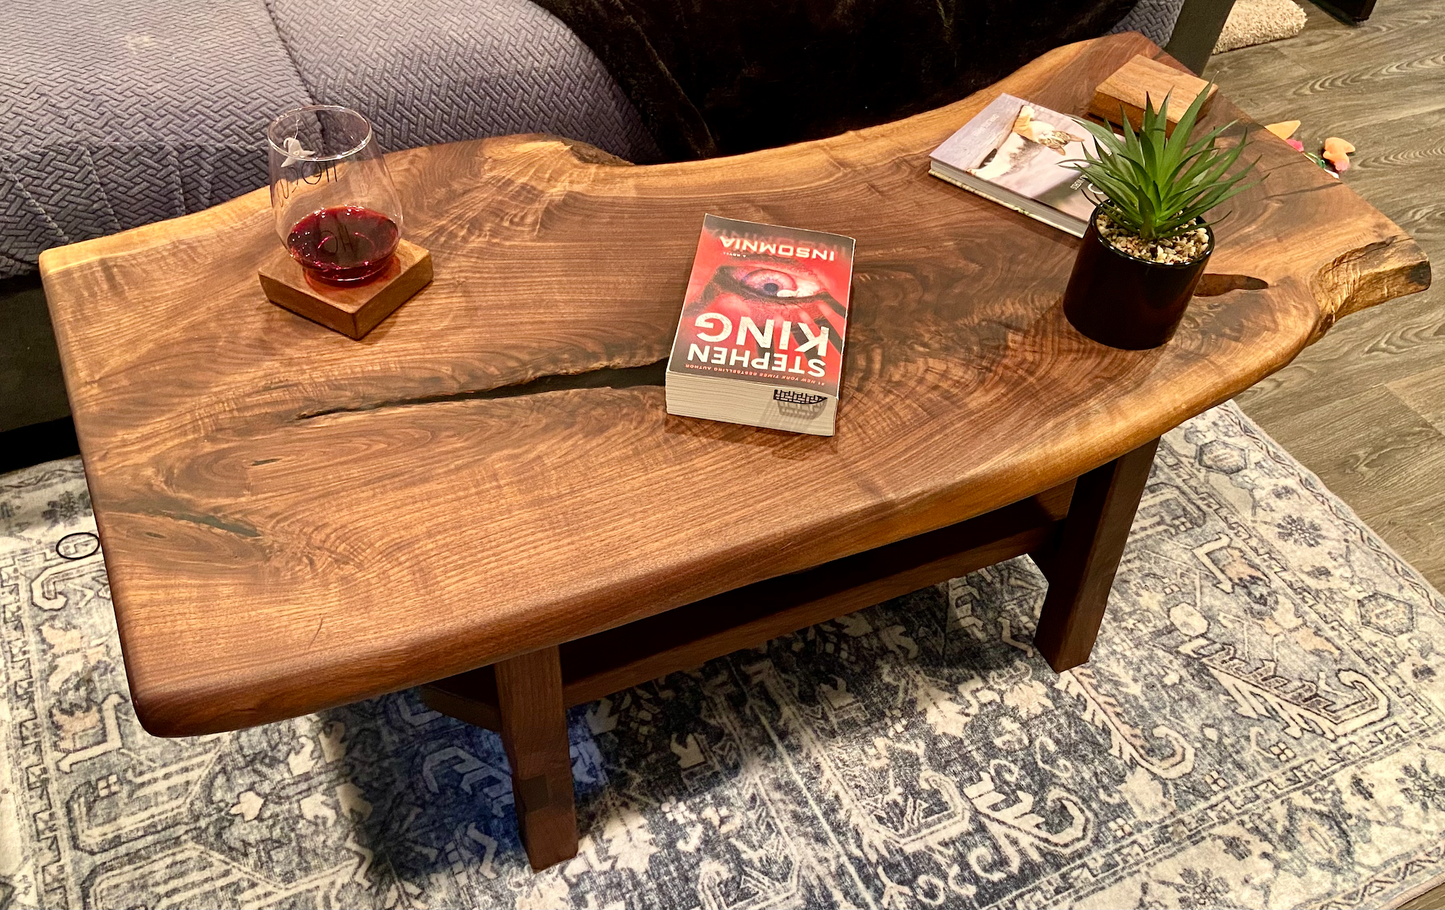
point(122, 112)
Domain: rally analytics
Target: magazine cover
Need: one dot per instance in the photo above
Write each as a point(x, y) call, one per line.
point(767, 304)
point(1023, 147)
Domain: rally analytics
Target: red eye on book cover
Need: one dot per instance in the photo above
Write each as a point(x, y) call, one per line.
point(767, 308)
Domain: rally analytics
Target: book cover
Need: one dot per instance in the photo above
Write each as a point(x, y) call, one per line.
point(1022, 148)
point(766, 304)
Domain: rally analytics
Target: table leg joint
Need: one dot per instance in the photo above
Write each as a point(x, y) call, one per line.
point(534, 733)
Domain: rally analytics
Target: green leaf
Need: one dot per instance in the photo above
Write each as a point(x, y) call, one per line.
point(1100, 133)
point(1178, 145)
point(1160, 184)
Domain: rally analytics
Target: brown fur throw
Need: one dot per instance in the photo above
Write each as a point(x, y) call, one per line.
point(718, 77)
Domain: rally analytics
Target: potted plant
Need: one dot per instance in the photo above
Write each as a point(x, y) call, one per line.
point(1147, 243)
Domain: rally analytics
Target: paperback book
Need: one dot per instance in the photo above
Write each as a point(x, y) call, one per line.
point(1015, 153)
point(764, 319)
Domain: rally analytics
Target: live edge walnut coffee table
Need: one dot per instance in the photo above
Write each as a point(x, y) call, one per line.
point(486, 494)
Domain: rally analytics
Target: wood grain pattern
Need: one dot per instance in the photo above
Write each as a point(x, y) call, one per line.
point(691, 635)
point(1082, 571)
point(534, 732)
point(1424, 393)
point(1144, 80)
point(489, 472)
point(1432, 899)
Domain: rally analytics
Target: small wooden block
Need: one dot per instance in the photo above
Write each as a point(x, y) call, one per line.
point(352, 311)
point(1145, 78)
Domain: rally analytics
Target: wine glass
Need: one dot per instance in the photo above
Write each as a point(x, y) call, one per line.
point(336, 209)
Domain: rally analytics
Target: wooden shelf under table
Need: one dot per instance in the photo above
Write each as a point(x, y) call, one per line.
point(689, 636)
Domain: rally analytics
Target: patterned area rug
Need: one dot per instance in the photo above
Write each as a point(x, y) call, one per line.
point(1263, 725)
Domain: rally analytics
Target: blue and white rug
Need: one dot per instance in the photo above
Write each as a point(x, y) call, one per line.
point(1262, 725)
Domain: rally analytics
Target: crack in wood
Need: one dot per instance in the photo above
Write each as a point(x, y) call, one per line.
point(240, 529)
point(1214, 285)
point(650, 374)
point(1366, 250)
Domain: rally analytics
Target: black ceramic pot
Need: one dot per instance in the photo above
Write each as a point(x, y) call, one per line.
point(1124, 301)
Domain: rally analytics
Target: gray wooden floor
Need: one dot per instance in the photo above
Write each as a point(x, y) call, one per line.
point(1364, 408)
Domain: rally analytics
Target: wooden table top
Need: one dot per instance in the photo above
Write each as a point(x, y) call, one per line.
point(293, 520)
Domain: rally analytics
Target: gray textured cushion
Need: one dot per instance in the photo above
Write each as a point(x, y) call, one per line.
point(431, 71)
point(1155, 18)
point(120, 113)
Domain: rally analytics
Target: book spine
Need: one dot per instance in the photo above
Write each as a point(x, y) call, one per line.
point(1006, 203)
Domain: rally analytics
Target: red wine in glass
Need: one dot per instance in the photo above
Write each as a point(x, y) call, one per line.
point(343, 244)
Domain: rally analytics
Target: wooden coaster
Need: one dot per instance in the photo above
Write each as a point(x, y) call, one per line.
point(352, 311)
point(1144, 77)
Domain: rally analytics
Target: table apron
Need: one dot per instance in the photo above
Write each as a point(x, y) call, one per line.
point(689, 636)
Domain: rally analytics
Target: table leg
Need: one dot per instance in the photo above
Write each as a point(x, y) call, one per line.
point(1082, 569)
point(534, 732)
